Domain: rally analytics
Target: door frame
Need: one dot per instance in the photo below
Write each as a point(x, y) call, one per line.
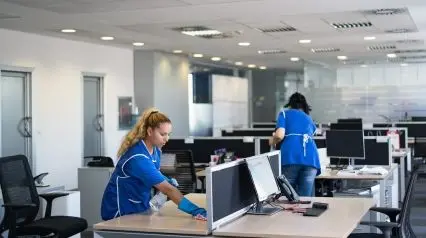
point(101, 111)
point(28, 107)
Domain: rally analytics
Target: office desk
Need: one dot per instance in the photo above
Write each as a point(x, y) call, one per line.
point(382, 180)
point(338, 221)
point(169, 222)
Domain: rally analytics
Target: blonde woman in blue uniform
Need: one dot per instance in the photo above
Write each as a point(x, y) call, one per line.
point(299, 154)
point(137, 171)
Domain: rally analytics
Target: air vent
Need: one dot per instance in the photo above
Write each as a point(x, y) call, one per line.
point(381, 47)
point(277, 29)
point(410, 51)
point(324, 50)
point(271, 52)
point(413, 57)
point(350, 25)
point(400, 30)
point(353, 62)
point(396, 60)
point(224, 35)
point(410, 42)
point(6, 16)
point(386, 11)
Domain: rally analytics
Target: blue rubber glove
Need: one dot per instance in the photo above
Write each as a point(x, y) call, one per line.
point(187, 206)
point(172, 181)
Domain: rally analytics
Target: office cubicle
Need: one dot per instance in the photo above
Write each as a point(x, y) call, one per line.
point(402, 133)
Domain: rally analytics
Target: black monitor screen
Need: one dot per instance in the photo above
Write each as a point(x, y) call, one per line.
point(203, 148)
point(382, 125)
point(350, 120)
point(250, 132)
point(232, 189)
point(376, 153)
point(346, 126)
point(345, 144)
point(414, 129)
point(320, 143)
point(418, 119)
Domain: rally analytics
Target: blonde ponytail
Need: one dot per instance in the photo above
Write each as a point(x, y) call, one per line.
point(151, 117)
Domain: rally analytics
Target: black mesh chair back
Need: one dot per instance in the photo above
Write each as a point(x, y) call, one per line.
point(184, 171)
point(413, 221)
point(18, 187)
point(406, 230)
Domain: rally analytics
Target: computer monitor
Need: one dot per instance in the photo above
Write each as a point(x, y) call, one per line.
point(382, 125)
point(350, 120)
point(415, 129)
point(378, 151)
point(345, 144)
point(264, 183)
point(414, 118)
point(346, 126)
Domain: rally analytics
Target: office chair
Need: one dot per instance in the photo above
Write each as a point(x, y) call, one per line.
point(184, 171)
point(399, 225)
point(22, 203)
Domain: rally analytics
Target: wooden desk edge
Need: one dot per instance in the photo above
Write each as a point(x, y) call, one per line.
point(105, 228)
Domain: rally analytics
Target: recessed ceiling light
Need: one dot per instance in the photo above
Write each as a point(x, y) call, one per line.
point(391, 55)
point(177, 51)
point(363, 65)
point(107, 38)
point(304, 41)
point(404, 64)
point(342, 57)
point(262, 67)
point(244, 43)
point(68, 30)
point(138, 44)
point(369, 38)
point(239, 63)
point(251, 66)
point(294, 59)
point(216, 58)
point(197, 55)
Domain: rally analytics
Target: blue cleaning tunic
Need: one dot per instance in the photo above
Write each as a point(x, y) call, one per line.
point(129, 188)
point(298, 147)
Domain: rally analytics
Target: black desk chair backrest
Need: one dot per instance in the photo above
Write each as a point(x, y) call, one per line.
point(22, 202)
point(185, 170)
point(17, 185)
point(405, 229)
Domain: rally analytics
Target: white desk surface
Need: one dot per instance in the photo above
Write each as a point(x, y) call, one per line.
point(169, 220)
point(341, 218)
point(328, 174)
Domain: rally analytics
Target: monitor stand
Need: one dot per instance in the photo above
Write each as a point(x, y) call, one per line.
point(260, 209)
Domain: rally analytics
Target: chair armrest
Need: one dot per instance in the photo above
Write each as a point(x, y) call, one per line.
point(49, 199)
point(385, 227)
point(11, 209)
point(392, 213)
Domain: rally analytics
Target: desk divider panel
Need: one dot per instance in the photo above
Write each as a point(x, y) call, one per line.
point(230, 192)
point(203, 147)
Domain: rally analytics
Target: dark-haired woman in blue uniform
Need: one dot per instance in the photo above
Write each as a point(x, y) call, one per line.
point(299, 154)
point(137, 171)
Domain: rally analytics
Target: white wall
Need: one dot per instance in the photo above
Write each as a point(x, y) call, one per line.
point(57, 96)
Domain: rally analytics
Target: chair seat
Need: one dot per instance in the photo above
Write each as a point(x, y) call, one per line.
point(365, 235)
point(63, 226)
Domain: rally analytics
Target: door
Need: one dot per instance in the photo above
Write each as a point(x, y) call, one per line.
point(93, 116)
point(15, 114)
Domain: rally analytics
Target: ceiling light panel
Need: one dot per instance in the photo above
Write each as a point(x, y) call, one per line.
point(270, 52)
